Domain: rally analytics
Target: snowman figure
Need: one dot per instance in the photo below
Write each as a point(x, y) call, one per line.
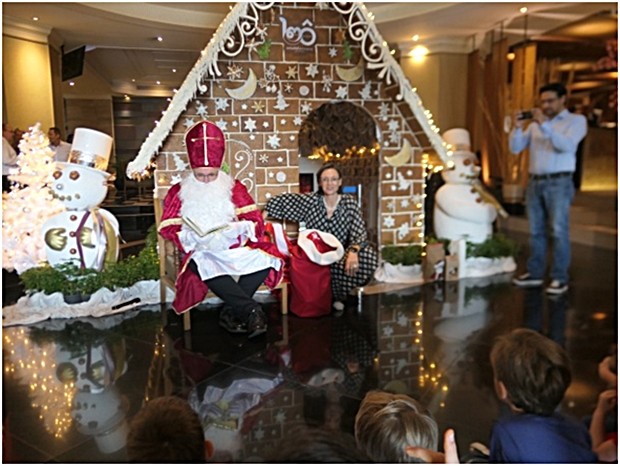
point(461, 211)
point(83, 233)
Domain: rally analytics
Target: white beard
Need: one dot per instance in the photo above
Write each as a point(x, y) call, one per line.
point(209, 205)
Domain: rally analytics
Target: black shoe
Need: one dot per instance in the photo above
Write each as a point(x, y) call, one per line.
point(257, 323)
point(232, 323)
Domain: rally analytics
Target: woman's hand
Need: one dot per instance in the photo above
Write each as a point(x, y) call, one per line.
point(351, 264)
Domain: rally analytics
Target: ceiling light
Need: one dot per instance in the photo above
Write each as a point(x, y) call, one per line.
point(71, 83)
point(415, 38)
point(510, 56)
point(174, 70)
point(523, 9)
point(126, 97)
point(418, 53)
point(35, 18)
point(160, 38)
point(158, 82)
point(133, 80)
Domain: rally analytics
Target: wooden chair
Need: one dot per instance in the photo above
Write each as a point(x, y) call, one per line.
point(169, 261)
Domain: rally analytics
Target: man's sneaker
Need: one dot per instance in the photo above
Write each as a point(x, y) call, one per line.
point(557, 287)
point(527, 280)
point(257, 323)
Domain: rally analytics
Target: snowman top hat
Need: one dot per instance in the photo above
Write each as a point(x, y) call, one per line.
point(458, 138)
point(91, 149)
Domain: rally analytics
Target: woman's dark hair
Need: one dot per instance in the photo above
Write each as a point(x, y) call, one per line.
point(327, 166)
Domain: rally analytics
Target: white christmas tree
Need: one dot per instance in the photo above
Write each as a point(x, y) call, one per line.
point(29, 203)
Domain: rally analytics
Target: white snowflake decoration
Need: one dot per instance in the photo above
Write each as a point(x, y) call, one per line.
point(273, 141)
point(263, 158)
point(244, 106)
point(221, 124)
point(201, 110)
point(388, 331)
point(175, 179)
point(306, 107)
point(393, 125)
point(404, 203)
point(391, 205)
point(342, 92)
point(250, 125)
point(297, 121)
point(312, 70)
point(221, 103)
point(288, 88)
point(332, 52)
point(389, 222)
point(265, 124)
point(189, 122)
point(402, 320)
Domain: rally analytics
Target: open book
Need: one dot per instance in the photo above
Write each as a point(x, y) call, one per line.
point(194, 226)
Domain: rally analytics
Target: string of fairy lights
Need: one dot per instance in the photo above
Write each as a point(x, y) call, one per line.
point(31, 364)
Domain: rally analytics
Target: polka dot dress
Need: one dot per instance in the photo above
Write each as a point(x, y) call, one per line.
point(346, 224)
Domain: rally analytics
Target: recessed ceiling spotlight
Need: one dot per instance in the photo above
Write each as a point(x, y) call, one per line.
point(35, 18)
point(158, 82)
point(523, 9)
point(415, 38)
point(160, 38)
point(71, 83)
point(174, 70)
point(133, 80)
point(418, 52)
point(510, 56)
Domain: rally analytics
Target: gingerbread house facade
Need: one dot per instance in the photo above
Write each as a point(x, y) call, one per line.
point(267, 69)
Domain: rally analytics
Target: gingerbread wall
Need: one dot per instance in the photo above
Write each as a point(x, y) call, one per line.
point(293, 80)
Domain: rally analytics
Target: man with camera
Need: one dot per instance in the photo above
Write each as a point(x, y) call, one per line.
point(552, 137)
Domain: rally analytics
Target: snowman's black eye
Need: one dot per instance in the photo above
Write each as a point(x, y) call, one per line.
point(57, 174)
point(74, 175)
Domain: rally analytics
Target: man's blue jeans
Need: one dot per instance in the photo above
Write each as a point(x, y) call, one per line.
point(548, 202)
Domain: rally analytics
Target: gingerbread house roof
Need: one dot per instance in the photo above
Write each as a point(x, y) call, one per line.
point(239, 31)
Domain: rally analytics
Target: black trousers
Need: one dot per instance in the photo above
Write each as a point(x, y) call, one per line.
point(237, 295)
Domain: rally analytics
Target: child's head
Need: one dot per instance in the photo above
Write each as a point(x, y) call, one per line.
point(386, 424)
point(166, 430)
point(531, 371)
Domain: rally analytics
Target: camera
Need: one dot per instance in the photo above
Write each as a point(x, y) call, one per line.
point(525, 115)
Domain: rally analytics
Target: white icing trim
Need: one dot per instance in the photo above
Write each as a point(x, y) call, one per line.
point(244, 18)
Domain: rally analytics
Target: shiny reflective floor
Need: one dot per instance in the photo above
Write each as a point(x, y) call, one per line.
point(71, 387)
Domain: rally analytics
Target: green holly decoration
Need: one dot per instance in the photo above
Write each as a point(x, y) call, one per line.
point(347, 53)
point(264, 50)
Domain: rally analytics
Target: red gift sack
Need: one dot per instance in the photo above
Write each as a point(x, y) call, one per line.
point(311, 289)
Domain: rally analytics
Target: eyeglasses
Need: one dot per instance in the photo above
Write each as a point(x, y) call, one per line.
point(328, 180)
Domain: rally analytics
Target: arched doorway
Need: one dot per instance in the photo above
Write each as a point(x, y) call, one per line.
point(348, 135)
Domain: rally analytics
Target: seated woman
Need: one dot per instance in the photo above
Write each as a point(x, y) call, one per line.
point(330, 211)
